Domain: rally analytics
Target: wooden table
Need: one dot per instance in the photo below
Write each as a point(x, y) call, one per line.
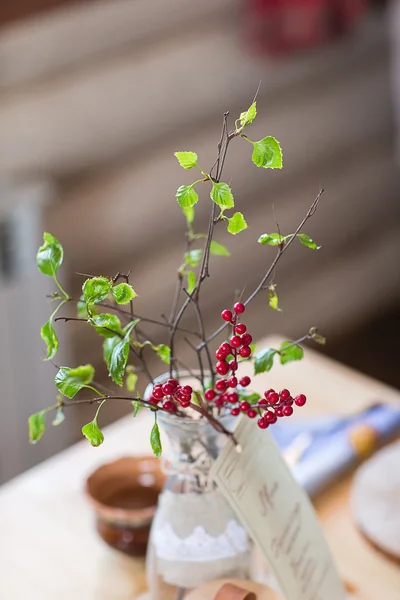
point(49, 549)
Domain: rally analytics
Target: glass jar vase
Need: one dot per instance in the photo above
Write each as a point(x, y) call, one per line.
point(195, 535)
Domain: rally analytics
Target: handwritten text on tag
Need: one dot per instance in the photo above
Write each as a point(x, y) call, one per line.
point(278, 515)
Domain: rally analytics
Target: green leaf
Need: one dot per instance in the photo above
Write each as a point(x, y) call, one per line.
point(37, 426)
point(264, 360)
point(155, 440)
point(189, 214)
point(307, 241)
point(96, 289)
point(82, 309)
point(50, 339)
point(131, 381)
point(70, 381)
point(108, 347)
point(105, 322)
point(92, 432)
point(193, 257)
point(163, 352)
point(218, 249)
point(267, 153)
point(273, 297)
point(249, 115)
point(253, 348)
point(50, 255)
point(251, 397)
point(136, 407)
point(186, 196)
point(191, 281)
point(123, 293)
point(272, 239)
point(222, 196)
point(237, 223)
point(59, 418)
point(289, 352)
point(131, 325)
point(118, 359)
point(187, 160)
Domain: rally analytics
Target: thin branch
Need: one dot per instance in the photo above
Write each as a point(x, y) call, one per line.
point(213, 421)
point(204, 270)
point(281, 250)
point(150, 405)
point(200, 320)
point(199, 358)
point(127, 314)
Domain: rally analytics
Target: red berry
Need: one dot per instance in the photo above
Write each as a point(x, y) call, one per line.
point(235, 412)
point(284, 394)
point(245, 381)
point(226, 315)
point(233, 365)
point(251, 413)
point(225, 348)
point(221, 385)
point(233, 382)
point(300, 400)
point(262, 423)
point(222, 367)
point(185, 404)
point(224, 397)
point(240, 328)
point(169, 405)
point(239, 308)
point(187, 389)
point(273, 397)
point(287, 411)
point(262, 402)
point(181, 397)
point(244, 406)
point(168, 389)
point(209, 394)
point(153, 400)
point(245, 351)
point(289, 401)
point(246, 339)
point(158, 393)
point(219, 402)
point(220, 355)
point(270, 417)
point(267, 392)
point(279, 411)
point(173, 382)
point(233, 398)
point(235, 341)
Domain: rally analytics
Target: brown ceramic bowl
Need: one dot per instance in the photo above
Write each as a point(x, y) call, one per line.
point(124, 496)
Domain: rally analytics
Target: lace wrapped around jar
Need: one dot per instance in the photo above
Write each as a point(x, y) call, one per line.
point(195, 535)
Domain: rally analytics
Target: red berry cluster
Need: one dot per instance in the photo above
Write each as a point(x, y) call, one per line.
point(268, 409)
point(275, 405)
point(170, 394)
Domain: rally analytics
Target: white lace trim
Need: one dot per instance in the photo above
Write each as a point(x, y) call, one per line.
point(200, 546)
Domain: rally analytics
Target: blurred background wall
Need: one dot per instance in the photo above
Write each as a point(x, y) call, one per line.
point(95, 96)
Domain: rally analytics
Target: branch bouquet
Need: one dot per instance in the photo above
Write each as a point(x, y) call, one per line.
point(107, 304)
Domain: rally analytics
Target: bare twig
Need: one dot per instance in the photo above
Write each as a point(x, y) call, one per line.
point(281, 250)
point(203, 336)
point(150, 405)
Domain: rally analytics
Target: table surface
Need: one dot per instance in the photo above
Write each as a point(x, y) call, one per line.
point(49, 549)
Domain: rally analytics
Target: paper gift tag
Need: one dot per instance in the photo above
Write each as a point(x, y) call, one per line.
point(278, 515)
